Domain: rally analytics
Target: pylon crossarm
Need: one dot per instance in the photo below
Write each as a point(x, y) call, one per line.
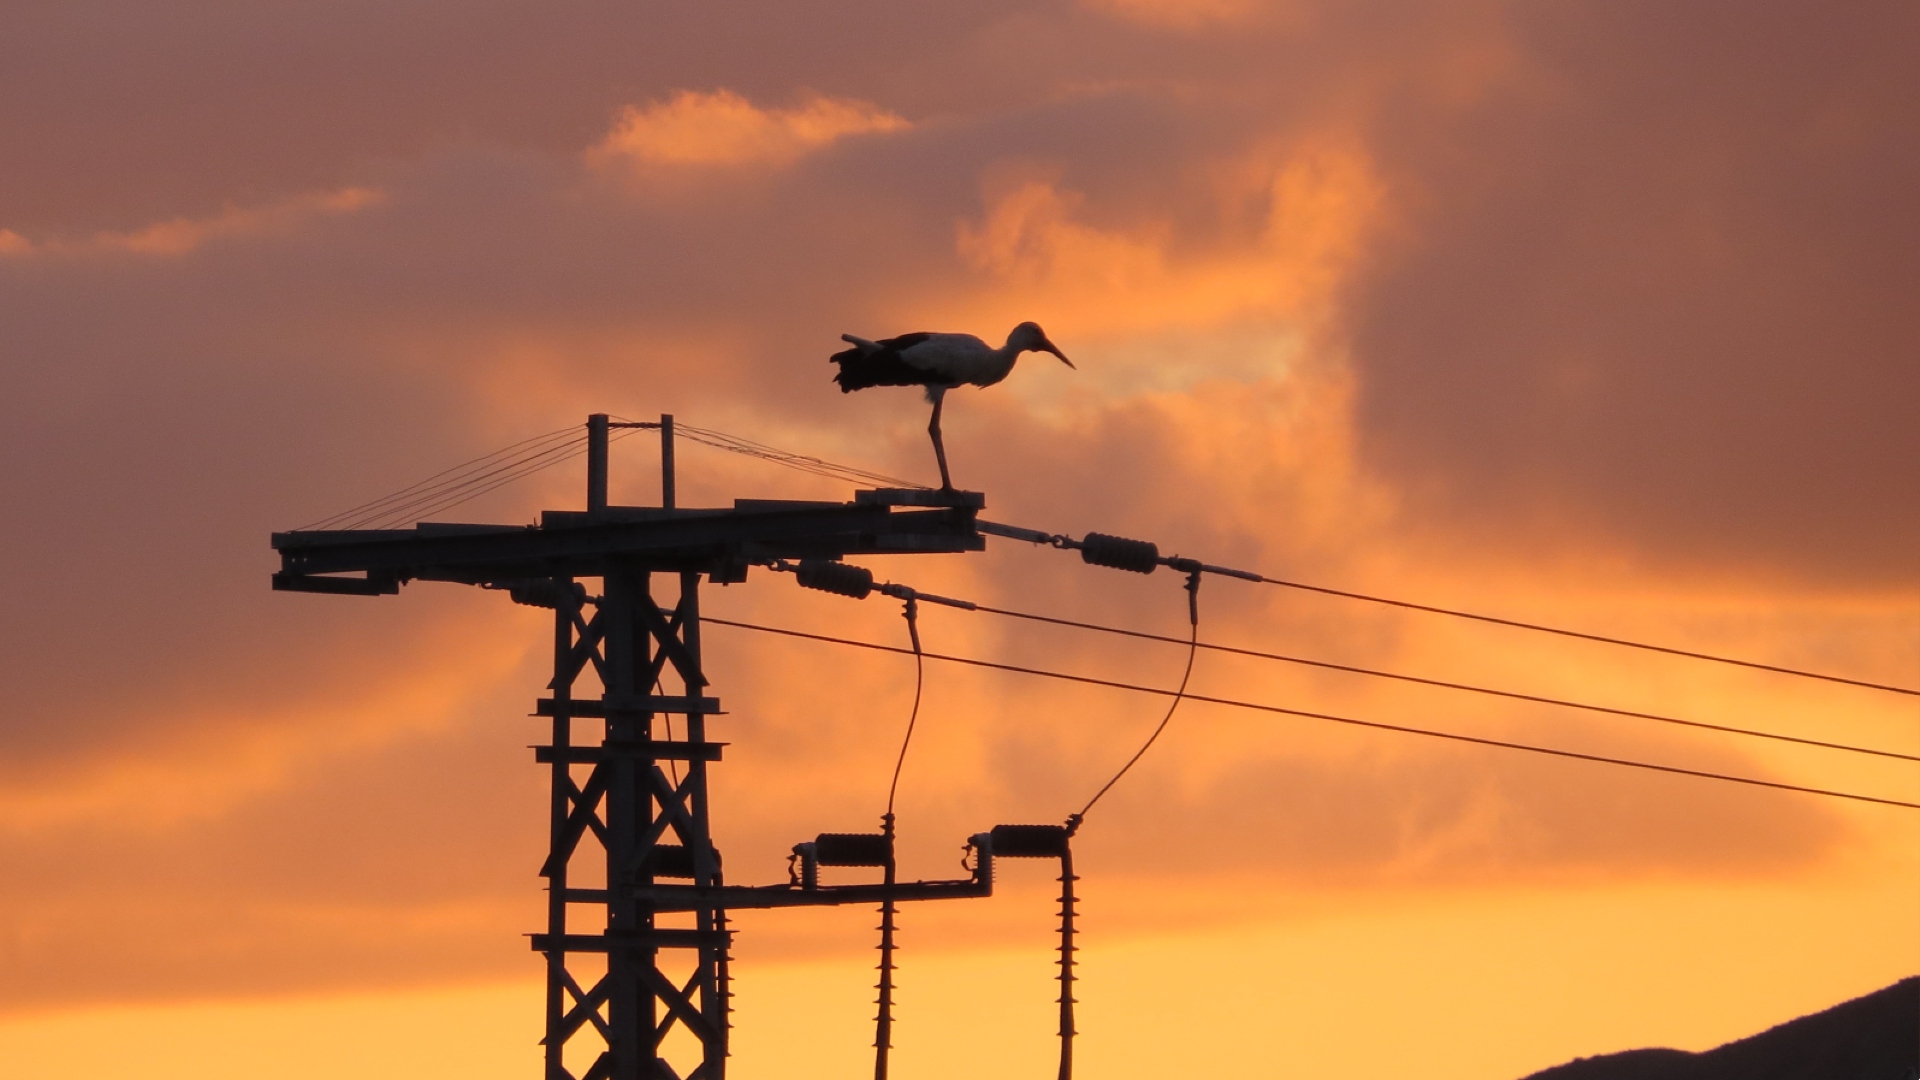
point(587, 544)
point(646, 749)
point(665, 898)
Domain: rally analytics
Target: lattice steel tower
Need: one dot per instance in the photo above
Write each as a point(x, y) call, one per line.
point(636, 942)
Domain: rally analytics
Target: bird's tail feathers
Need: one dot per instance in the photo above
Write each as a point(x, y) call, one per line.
point(861, 368)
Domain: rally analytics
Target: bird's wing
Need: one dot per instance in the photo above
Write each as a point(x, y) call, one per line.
point(952, 358)
point(904, 341)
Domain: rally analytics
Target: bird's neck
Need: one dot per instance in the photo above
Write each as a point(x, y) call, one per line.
point(1003, 358)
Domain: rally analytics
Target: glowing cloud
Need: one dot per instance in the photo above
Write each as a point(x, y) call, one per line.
point(723, 128)
point(178, 236)
point(1317, 209)
point(1179, 14)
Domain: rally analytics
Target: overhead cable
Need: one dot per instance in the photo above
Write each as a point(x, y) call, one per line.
point(1101, 541)
point(1332, 718)
point(1446, 685)
point(856, 581)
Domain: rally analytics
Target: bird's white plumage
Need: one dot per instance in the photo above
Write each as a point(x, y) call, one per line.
point(959, 358)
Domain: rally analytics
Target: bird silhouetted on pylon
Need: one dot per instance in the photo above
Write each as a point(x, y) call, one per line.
point(938, 362)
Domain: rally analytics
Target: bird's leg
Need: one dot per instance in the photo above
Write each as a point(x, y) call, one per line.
point(939, 449)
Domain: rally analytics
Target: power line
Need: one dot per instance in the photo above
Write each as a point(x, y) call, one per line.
point(1144, 556)
point(822, 467)
point(1584, 636)
point(1352, 721)
point(1444, 684)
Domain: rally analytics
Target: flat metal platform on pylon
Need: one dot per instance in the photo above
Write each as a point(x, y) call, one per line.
point(577, 543)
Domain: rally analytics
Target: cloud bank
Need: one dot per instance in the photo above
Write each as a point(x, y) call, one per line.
point(1592, 313)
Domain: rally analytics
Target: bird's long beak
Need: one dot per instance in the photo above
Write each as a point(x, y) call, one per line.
point(1049, 346)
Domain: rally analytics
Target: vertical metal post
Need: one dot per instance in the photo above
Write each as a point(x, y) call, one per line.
point(561, 809)
point(711, 975)
point(629, 811)
point(666, 460)
point(597, 462)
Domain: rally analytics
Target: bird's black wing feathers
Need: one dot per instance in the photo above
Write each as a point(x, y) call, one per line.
point(882, 367)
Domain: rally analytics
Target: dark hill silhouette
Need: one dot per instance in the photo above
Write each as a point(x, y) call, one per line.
point(1876, 1037)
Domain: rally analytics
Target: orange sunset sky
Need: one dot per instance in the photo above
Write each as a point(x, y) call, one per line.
point(1592, 312)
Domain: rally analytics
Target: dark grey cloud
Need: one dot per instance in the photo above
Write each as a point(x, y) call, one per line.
point(1657, 284)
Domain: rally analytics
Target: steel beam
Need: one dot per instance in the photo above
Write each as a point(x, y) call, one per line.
point(570, 544)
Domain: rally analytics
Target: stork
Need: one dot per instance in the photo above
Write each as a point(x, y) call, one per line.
point(938, 362)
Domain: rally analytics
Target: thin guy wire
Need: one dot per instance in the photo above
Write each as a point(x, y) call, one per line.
point(528, 470)
point(480, 485)
point(1584, 636)
point(748, 447)
point(453, 486)
point(499, 477)
point(1443, 684)
point(453, 489)
point(366, 506)
point(1355, 722)
point(379, 505)
point(737, 444)
point(464, 482)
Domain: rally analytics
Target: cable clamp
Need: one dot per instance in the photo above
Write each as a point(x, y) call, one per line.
point(910, 595)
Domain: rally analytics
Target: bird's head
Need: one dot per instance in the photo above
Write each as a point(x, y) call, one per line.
point(1028, 337)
